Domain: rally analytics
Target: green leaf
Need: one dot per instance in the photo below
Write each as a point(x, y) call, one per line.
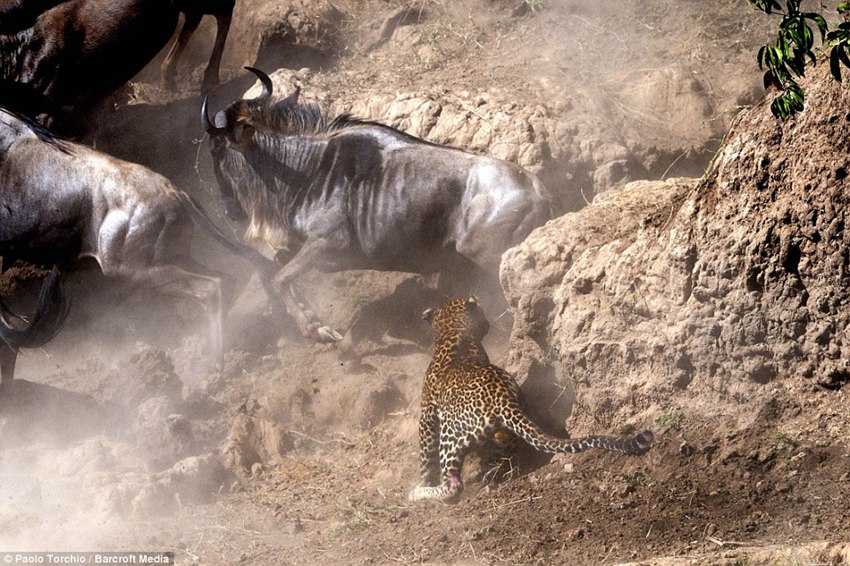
point(789, 102)
point(812, 58)
point(783, 48)
point(763, 5)
point(839, 36)
point(767, 6)
point(798, 64)
point(819, 20)
point(770, 58)
point(843, 7)
point(793, 37)
point(802, 28)
point(843, 55)
point(808, 36)
point(768, 79)
point(796, 95)
point(778, 109)
point(835, 64)
point(793, 6)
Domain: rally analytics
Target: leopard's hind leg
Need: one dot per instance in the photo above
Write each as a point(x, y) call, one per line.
point(453, 449)
point(429, 447)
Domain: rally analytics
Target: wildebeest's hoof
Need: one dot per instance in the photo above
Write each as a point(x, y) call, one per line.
point(327, 334)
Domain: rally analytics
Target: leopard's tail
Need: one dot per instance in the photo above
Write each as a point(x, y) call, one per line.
point(523, 427)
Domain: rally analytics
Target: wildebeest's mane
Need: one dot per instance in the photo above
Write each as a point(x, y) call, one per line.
point(16, 15)
point(40, 131)
point(309, 119)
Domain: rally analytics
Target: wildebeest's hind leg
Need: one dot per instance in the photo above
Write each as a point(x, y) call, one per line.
point(176, 282)
point(8, 357)
point(168, 68)
point(223, 12)
point(315, 252)
point(211, 74)
point(227, 282)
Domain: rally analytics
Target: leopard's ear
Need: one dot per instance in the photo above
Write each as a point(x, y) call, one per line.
point(471, 301)
point(428, 314)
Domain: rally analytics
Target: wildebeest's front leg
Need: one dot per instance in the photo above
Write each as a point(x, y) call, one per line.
point(315, 252)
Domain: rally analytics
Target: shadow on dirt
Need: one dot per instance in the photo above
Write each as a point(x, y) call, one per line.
point(32, 412)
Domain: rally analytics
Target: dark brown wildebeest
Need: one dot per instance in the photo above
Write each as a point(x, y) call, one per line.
point(77, 51)
point(339, 193)
point(60, 201)
point(50, 313)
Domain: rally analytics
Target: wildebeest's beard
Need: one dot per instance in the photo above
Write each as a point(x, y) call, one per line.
point(272, 179)
point(225, 161)
point(11, 53)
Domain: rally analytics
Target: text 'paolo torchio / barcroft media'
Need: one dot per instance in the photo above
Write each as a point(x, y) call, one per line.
point(160, 558)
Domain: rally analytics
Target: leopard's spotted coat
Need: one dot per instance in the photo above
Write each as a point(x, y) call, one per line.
point(466, 401)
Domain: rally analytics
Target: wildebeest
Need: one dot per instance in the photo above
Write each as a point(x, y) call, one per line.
point(60, 201)
point(42, 326)
point(341, 193)
point(76, 51)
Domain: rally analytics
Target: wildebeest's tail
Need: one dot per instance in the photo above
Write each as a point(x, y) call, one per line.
point(26, 103)
point(523, 427)
point(48, 318)
point(266, 268)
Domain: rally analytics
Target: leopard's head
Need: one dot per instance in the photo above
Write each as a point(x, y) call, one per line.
point(456, 319)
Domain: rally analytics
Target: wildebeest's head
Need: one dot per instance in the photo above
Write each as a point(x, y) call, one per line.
point(231, 134)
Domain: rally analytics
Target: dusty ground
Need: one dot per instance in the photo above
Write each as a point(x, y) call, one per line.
point(117, 437)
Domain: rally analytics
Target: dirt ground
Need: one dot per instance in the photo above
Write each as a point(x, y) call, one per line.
point(118, 436)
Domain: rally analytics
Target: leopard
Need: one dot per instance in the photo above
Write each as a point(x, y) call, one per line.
point(468, 402)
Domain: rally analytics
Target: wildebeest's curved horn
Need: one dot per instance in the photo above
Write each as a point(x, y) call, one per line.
point(267, 83)
point(205, 119)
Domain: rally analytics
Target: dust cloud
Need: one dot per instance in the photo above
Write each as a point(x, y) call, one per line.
point(95, 432)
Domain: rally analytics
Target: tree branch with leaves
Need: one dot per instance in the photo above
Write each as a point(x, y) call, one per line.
point(786, 58)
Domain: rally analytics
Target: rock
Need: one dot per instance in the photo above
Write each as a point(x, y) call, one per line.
point(148, 374)
point(304, 33)
point(737, 271)
point(254, 440)
point(376, 401)
point(675, 98)
point(196, 479)
point(162, 440)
